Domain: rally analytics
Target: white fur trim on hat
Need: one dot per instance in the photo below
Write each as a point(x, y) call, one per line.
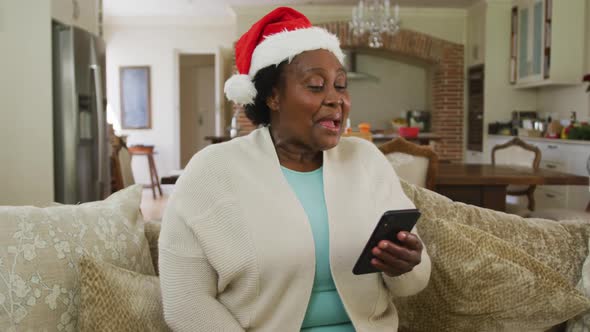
point(240, 89)
point(279, 47)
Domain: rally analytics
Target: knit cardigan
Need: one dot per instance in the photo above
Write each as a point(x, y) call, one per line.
point(237, 252)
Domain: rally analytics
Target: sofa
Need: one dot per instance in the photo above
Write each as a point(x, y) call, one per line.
point(93, 267)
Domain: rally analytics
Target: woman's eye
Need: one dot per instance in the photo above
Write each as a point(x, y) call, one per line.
point(315, 87)
point(341, 87)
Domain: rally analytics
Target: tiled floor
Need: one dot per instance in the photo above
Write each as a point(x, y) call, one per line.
point(153, 209)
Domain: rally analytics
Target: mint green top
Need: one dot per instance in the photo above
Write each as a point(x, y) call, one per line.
point(325, 311)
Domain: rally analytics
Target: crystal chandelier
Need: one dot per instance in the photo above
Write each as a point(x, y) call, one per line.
point(374, 17)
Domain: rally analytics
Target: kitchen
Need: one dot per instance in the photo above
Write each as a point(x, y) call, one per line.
point(532, 86)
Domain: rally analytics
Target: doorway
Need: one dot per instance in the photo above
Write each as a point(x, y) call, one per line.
point(197, 103)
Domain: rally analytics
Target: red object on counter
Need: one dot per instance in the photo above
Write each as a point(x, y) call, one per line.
point(408, 131)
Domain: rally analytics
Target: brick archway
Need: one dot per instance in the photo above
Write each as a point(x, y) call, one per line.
point(447, 79)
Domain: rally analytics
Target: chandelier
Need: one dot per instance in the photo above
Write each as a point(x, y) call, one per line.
point(374, 17)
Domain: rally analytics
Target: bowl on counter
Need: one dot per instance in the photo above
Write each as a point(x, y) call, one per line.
point(408, 132)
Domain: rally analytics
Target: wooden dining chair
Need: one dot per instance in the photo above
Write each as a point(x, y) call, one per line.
point(122, 174)
point(416, 164)
point(518, 153)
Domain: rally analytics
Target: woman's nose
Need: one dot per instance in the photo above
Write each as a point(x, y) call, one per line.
point(333, 98)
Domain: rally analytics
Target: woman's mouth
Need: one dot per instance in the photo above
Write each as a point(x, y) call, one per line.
point(332, 125)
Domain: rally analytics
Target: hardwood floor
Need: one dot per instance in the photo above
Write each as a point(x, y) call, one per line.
point(153, 209)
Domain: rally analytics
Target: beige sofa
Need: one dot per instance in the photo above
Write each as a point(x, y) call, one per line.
point(491, 271)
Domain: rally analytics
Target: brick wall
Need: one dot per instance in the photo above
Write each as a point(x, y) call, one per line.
point(447, 81)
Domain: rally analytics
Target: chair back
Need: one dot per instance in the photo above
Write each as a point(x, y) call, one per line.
point(516, 152)
point(360, 134)
point(125, 164)
point(415, 164)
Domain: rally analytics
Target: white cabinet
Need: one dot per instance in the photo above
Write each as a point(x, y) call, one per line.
point(530, 18)
point(80, 13)
point(548, 38)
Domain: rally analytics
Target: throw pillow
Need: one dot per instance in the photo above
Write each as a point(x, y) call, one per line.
point(561, 245)
point(482, 283)
point(115, 299)
point(581, 323)
point(39, 283)
point(557, 248)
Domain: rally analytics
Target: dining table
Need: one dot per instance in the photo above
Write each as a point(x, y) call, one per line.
point(485, 185)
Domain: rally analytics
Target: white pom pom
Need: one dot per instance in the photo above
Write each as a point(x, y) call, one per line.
point(240, 89)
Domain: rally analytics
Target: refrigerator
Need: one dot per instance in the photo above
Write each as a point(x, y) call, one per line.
point(81, 145)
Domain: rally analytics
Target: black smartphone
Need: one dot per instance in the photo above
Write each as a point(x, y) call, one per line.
point(391, 223)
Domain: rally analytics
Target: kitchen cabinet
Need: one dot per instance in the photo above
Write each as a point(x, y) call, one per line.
point(547, 42)
point(79, 13)
point(562, 156)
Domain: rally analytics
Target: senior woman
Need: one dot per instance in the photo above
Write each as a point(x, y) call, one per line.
point(262, 232)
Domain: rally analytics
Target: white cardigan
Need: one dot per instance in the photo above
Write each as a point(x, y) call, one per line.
point(237, 252)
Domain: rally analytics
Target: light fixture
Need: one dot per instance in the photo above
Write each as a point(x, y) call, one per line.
point(375, 17)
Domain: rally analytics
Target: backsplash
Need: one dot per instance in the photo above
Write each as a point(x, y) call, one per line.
point(559, 102)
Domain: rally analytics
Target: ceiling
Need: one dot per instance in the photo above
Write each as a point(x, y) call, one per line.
point(220, 8)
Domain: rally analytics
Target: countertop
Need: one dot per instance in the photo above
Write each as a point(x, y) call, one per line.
point(547, 140)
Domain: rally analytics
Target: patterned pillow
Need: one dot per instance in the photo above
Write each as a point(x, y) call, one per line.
point(561, 245)
point(40, 249)
point(581, 323)
point(493, 271)
point(115, 299)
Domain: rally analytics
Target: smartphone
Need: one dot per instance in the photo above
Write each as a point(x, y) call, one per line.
point(391, 223)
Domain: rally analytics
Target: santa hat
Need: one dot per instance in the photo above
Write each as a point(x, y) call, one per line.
point(280, 35)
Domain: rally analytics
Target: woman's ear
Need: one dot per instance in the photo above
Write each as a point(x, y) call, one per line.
point(273, 100)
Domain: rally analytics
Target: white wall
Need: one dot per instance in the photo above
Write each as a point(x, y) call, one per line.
point(400, 86)
point(475, 34)
point(26, 130)
point(444, 23)
point(156, 46)
point(85, 16)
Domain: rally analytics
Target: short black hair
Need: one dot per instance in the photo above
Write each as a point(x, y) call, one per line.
point(265, 80)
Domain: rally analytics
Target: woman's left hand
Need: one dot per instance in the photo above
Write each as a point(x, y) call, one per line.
point(396, 259)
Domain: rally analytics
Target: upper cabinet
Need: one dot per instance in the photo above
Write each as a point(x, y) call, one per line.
point(547, 42)
point(80, 13)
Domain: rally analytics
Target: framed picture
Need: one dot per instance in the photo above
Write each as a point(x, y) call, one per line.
point(136, 110)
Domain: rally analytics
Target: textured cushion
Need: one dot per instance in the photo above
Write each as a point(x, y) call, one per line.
point(561, 245)
point(40, 252)
point(493, 271)
point(581, 323)
point(115, 299)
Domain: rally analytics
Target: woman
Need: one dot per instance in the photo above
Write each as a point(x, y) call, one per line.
point(262, 232)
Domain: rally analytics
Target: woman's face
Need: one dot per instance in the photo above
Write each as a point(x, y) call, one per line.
point(311, 104)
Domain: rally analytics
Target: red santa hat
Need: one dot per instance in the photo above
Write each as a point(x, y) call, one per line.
point(280, 35)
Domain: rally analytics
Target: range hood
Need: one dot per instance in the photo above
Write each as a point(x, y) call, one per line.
point(350, 66)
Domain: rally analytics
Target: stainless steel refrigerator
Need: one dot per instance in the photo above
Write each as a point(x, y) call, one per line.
point(81, 149)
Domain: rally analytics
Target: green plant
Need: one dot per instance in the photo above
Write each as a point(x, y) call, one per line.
point(581, 133)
